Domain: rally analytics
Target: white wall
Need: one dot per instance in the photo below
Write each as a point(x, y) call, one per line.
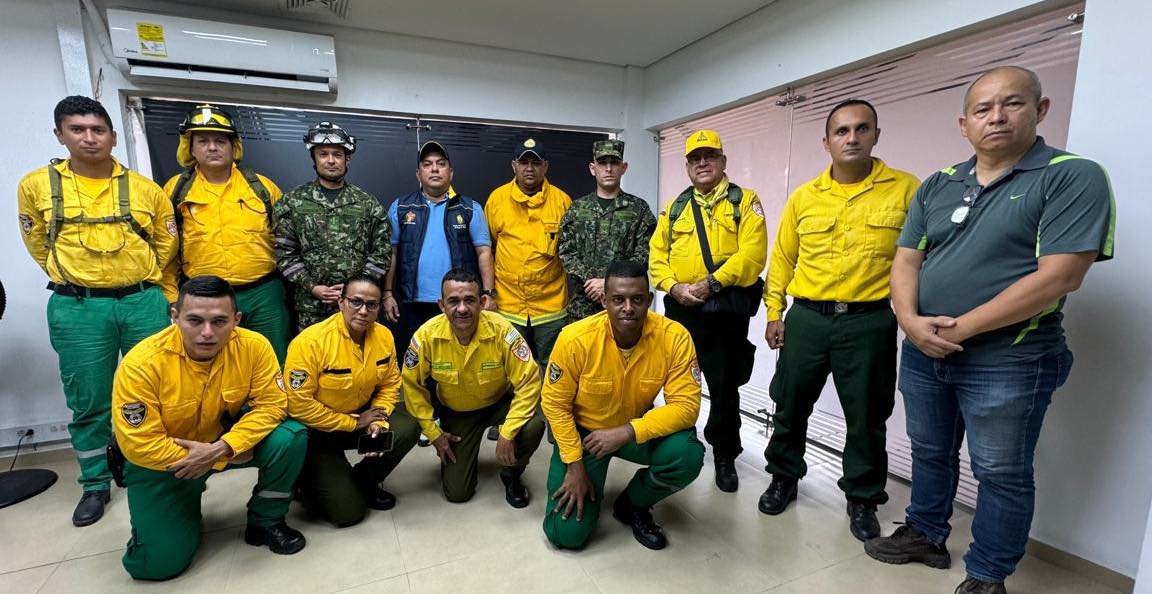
point(1092, 472)
point(1092, 462)
point(792, 40)
point(29, 379)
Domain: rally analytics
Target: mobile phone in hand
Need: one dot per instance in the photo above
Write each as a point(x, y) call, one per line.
point(375, 445)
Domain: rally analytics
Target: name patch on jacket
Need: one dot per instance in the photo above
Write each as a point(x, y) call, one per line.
point(134, 413)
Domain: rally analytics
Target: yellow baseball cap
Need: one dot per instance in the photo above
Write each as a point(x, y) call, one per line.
point(702, 139)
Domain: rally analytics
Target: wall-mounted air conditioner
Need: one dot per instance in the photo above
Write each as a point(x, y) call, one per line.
point(168, 48)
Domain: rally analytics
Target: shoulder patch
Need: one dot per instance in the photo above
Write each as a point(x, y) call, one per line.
point(297, 378)
point(280, 382)
point(26, 224)
point(521, 351)
point(170, 224)
point(694, 369)
point(134, 413)
point(411, 357)
point(511, 337)
point(758, 208)
point(554, 372)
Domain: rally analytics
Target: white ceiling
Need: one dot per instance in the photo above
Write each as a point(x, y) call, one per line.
point(622, 32)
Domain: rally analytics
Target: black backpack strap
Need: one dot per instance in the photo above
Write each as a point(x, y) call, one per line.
point(676, 208)
point(261, 192)
point(702, 235)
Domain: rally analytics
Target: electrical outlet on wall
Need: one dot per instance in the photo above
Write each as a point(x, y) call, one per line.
point(40, 433)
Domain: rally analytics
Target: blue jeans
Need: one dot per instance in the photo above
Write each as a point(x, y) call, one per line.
point(1002, 408)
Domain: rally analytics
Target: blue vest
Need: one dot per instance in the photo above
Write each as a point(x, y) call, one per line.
point(412, 217)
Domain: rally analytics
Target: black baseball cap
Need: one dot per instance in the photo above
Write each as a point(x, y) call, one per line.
point(529, 145)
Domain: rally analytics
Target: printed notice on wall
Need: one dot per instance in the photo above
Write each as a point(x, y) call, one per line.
point(151, 38)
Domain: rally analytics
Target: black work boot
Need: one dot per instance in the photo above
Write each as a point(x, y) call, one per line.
point(726, 478)
point(777, 496)
point(908, 545)
point(646, 531)
point(974, 586)
point(515, 493)
point(281, 539)
point(91, 508)
point(862, 521)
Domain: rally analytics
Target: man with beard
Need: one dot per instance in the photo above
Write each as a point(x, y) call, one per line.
point(471, 369)
point(328, 230)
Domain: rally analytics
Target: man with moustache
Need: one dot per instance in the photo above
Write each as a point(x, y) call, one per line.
point(434, 230)
point(606, 225)
point(224, 223)
point(343, 384)
point(990, 251)
point(328, 230)
point(200, 397)
point(604, 377)
point(103, 234)
point(471, 369)
point(707, 253)
point(840, 322)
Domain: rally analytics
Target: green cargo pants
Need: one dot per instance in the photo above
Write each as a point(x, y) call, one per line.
point(859, 350)
point(89, 335)
point(334, 488)
point(165, 510)
point(673, 462)
point(459, 478)
point(265, 309)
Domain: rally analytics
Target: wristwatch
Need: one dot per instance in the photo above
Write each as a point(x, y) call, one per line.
point(713, 284)
point(488, 293)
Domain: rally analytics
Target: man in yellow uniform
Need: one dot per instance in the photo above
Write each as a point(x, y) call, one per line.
point(342, 383)
point(707, 253)
point(603, 379)
point(199, 397)
point(833, 254)
point(524, 217)
point(472, 370)
point(102, 234)
point(225, 221)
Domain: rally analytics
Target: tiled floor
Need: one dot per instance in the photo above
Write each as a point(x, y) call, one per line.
point(719, 543)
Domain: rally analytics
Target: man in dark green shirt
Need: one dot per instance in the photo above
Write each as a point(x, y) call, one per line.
point(989, 252)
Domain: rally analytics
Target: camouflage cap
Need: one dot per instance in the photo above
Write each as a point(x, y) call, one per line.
point(608, 148)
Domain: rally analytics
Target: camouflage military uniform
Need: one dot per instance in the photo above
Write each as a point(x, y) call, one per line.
point(322, 242)
point(592, 236)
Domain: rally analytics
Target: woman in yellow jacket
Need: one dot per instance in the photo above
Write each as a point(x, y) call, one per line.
point(343, 384)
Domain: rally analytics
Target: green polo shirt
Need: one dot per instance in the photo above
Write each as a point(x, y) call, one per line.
point(1051, 202)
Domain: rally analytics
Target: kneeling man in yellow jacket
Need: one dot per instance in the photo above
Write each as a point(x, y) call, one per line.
point(199, 397)
point(602, 380)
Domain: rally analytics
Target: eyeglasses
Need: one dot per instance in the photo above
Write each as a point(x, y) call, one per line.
point(356, 303)
point(961, 213)
point(709, 157)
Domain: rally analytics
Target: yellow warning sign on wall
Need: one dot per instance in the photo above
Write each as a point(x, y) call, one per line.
point(151, 38)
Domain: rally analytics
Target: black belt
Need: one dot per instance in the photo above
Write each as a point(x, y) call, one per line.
point(78, 291)
point(841, 307)
point(267, 278)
